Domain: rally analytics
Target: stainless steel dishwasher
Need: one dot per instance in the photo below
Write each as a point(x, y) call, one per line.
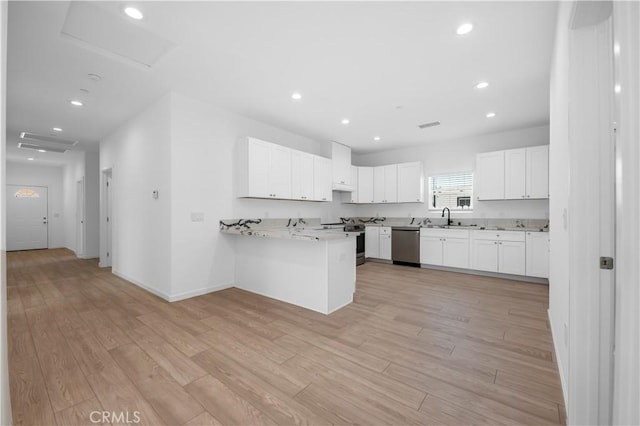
point(405, 245)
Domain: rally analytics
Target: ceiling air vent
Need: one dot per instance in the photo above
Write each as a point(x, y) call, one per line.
point(432, 124)
point(41, 147)
point(44, 142)
point(48, 139)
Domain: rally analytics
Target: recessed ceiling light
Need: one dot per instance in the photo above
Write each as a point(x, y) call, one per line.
point(134, 13)
point(491, 114)
point(376, 138)
point(30, 158)
point(464, 28)
point(617, 88)
point(616, 48)
point(94, 77)
point(84, 90)
point(75, 102)
point(482, 85)
point(345, 121)
point(57, 129)
point(42, 150)
point(296, 96)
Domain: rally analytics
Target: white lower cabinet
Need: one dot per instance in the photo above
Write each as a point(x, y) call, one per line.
point(511, 257)
point(444, 247)
point(385, 243)
point(455, 252)
point(377, 242)
point(372, 241)
point(430, 250)
point(498, 251)
point(537, 244)
point(485, 255)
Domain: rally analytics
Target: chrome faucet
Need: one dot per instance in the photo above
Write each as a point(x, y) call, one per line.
point(448, 215)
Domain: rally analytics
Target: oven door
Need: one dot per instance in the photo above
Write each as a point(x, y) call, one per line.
point(360, 249)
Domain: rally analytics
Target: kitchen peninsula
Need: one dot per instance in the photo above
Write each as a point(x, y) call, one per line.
point(297, 262)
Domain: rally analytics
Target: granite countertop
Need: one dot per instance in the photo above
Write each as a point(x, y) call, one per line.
point(487, 228)
point(311, 234)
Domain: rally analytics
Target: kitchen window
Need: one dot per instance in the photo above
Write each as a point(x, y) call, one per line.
point(453, 190)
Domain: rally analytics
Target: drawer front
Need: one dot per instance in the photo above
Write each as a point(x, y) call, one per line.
point(444, 233)
point(499, 235)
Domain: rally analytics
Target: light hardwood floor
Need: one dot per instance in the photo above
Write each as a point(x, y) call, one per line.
point(417, 347)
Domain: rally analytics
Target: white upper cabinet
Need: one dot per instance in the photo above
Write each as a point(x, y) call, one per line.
point(302, 179)
point(537, 172)
point(352, 197)
point(391, 183)
point(514, 172)
point(341, 165)
point(378, 184)
point(322, 179)
point(263, 169)
point(365, 185)
point(489, 176)
point(268, 170)
point(385, 184)
point(280, 172)
point(410, 183)
point(258, 169)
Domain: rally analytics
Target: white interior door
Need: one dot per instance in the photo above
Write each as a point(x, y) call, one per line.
point(27, 219)
point(80, 218)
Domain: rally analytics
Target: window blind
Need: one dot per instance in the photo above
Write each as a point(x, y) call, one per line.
point(453, 190)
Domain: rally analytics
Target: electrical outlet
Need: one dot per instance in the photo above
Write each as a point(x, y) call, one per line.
point(197, 217)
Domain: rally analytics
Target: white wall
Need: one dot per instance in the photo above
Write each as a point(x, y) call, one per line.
point(82, 166)
point(457, 156)
point(51, 177)
point(72, 173)
point(92, 204)
point(5, 398)
point(559, 194)
point(139, 155)
point(203, 140)
point(184, 148)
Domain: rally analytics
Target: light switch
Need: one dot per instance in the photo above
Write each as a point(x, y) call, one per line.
point(197, 217)
point(154, 194)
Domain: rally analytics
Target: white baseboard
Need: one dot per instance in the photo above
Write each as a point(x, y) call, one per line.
point(174, 297)
point(512, 277)
point(561, 370)
point(141, 285)
point(199, 292)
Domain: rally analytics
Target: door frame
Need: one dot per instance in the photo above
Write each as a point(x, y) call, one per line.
point(80, 218)
point(592, 221)
point(106, 218)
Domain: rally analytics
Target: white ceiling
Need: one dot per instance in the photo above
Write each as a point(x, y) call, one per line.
point(359, 60)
